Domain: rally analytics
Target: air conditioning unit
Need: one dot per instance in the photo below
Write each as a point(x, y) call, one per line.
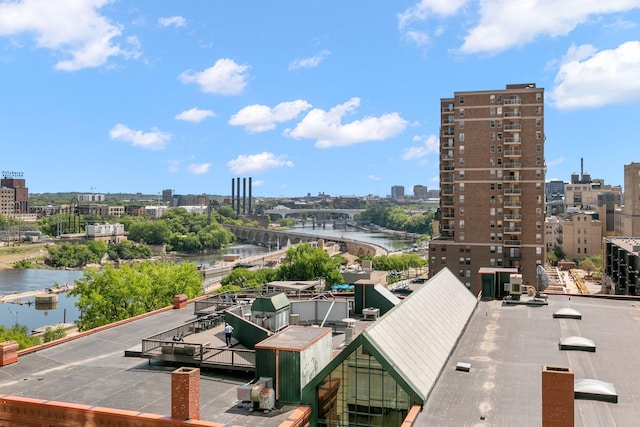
point(371, 313)
point(515, 285)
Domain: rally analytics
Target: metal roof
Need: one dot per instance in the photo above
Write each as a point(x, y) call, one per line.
point(270, 303)
point(417, 336)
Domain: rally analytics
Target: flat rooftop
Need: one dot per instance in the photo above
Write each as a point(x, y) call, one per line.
point(93, 370)
point(507, 346)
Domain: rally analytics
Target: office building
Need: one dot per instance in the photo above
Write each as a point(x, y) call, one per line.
point(421, 191)
point(16, 183)
point(397, 192)
point(492, 181)
point(630, 215)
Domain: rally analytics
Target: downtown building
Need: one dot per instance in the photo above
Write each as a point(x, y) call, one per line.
point(492, 181)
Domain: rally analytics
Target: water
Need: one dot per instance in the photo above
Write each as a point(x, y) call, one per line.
point(389, 242)
point(16, 281)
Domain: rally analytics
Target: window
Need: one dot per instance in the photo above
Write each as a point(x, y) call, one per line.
point(538, 237)
point(538, 173)
point(492, 123)
point(461, 211)
point(461, 174)
point(492, 236)
point(492, 261)
point(492, 211)
point(578, 240)
point(499, 249)
point(461, 198)
point(492, 249)
point(461, 273)
point(461, 100)
point(461, 186)
point(538, 160)
point(443, 260)
point(538, 148)
point(538, 122)
point(461, 111)
point(499, 237)
point(492, 99)
point(492, 136)
point(461, 124)
point(578, 250)
point(538, 250)
point(467, 261)
point(538, 134)
point(461, 224)
point(492, 173)
point(538, 225)
point(492, 148)
point(538, 96)
point(461, 149)
point(492, 111)
point(499, 99)
point(499, 136)
point(461, 260)
point(492, 200)
point(461, 236)
point(538, 212)
point(499, 148)
point(538, 186)
point(492, 186)
point(461, 162)
point(499, 160)
point(461, 137)
point(468, 273)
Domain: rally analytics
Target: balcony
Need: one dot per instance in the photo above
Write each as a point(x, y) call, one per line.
point(512, 217)
point(447, 178)
point(448, 132)
point(512, 165)
point(511, 114)
point(446, 201)
point(513, 127)
point(448, 166)
point(512, 152)
point(513, 242)
point(447, 191)
point(512, 191)
point(512, 140)
point(512, 230)
point(511, 178)
point(513, 204)
point(512, 101)
point(447, 213)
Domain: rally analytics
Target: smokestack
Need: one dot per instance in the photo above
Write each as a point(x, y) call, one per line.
point(238, 197)
point(244, 196)
point(581, 169)
point(233, 194)
point(250, 210)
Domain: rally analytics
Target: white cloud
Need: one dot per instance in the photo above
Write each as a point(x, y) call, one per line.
point(422, 10)
point(257, 163)
point(588, 78)
point(261, 118)
point(257, 183)
point(555, 162)
point(225, 77)
point(374, 178)
point(311, 62)
point(420, 38)
point(198, 169)
point(74, 29)
point(195, 115)
point(327, 129)
point(176, 21)
point(506, 23)
point(154, 140)
point(430, 144)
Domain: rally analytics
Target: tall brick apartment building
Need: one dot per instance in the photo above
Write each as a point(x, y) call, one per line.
point(492, 182)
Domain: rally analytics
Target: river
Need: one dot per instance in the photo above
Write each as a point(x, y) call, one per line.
point(15, 280)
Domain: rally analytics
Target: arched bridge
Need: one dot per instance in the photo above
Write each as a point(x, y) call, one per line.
point(284, 211)
point(280, 239)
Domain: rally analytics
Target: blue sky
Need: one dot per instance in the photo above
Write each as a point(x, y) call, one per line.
point(339, 97)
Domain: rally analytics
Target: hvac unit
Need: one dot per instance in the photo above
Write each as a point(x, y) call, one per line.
point(515, 288)
point(260, 395)
point(371, 313)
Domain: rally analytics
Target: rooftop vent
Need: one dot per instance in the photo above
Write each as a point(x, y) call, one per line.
point(590, 389)
point(567, 313)
point(577, 343)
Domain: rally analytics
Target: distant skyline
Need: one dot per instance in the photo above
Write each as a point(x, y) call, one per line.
point(331, 97)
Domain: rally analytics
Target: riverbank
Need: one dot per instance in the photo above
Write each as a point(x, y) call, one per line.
point(12, 254)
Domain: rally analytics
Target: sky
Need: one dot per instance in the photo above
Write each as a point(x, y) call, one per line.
point(305, 97)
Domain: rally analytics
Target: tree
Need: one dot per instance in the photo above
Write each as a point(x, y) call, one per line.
point(18, 333)
point(129, 250)
point(51, 334)
point(306, 263)
point(111, 294)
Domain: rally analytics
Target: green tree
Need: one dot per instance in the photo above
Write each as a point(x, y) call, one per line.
point(20, 334)
point(129, 250)
point(51, 334)
point(70, 255)
point(109, 295)
point(304, 262)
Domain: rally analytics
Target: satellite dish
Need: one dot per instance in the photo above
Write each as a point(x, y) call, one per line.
point(542, 280)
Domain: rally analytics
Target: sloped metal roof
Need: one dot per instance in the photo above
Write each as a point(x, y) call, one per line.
point(270, 302)
point(417, 336)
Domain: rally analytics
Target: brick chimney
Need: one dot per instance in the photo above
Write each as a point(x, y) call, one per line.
point(557, 397)
point(8, 352)
point(185, 394)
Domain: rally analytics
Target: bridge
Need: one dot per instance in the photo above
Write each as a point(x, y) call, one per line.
point(283, 211)
point(280, 239)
